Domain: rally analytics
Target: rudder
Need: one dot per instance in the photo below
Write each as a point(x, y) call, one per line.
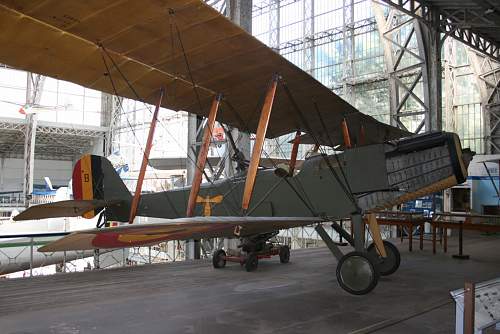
point(95, 178)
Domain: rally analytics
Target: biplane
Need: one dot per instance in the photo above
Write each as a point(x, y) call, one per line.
point(184, 55)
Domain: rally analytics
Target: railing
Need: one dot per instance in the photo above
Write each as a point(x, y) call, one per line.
point(16, 199)
point(13, 199)
point(443, 221)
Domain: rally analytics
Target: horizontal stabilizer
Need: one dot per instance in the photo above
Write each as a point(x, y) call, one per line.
point(71, 208)
point(174, 229)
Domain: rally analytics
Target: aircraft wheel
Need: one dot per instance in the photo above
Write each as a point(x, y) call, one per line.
point(389, 264)
point(284, 254)
point(357, 273)
point(252, 262)
point(219, 259)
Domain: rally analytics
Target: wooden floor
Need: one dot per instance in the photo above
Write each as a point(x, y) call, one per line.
point(300, 297)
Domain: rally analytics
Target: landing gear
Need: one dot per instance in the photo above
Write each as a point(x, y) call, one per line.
point(387, 265)
point(284, 254)
point(219, 259)
point(357, 273)
point(252, 262)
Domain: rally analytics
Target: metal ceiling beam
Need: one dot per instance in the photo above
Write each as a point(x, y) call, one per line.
point(460, 20)
point(412, 57)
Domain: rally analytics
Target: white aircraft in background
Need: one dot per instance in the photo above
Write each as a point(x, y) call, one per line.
point(16, 253)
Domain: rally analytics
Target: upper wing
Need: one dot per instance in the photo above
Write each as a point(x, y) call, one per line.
point(174, 229)
point(180, 163)
point(60, 39)
point(370, 133)
point(70, 208)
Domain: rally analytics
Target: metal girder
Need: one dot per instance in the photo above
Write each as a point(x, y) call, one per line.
point(29, 156)
point(34, 89)
point(325, 36)
point(274, 24)
point(473, 22)
point(53, 140)
point(412, 57)
point(110, 118)
point(308, 61)
point(240, 12)
point(219, 5)
point(487, 73)
point(348, 50)
point(449, 66)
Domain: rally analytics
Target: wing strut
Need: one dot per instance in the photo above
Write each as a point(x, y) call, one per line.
point(145, 160)
point(346, 135)
point(202, 156)
point(295, 151)
point(259, 143)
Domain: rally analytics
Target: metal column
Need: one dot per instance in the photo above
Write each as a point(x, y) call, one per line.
point(194, 124)
point(239, 12)
point(411, 74)
point(110, 117)
point(34, 87)
point(429, 43)
point(487, 73)
point(309, 61)
point(348, 51)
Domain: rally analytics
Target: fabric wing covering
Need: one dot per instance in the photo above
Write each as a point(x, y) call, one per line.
point(173, 229)
point(153, 42)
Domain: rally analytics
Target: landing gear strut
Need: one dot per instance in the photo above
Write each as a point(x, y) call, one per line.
point(358, 272)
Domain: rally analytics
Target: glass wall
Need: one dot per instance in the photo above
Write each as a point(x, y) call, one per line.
point(61, 101)
point(337, 41)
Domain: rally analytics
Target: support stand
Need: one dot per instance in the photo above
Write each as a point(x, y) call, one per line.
point(460, 254)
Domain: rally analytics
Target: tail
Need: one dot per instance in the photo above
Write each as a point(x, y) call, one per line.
point(94, 178)
point(48, 184)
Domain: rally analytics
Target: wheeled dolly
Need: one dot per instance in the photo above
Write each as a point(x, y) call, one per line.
point(251, 260)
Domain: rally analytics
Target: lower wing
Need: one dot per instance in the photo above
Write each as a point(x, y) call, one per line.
point(174, 229)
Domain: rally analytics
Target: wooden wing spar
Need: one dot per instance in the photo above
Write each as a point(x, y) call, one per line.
point(170, 44)
point(174, 229)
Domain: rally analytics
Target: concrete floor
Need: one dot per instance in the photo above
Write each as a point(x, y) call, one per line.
point(300, 297)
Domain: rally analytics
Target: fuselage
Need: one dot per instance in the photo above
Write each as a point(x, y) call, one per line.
point(364, 178)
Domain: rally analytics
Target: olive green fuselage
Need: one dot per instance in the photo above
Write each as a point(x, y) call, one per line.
point(312, 191)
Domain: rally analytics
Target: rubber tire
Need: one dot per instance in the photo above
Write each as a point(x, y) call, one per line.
point(373, 267)
point(217, 260)
point(284, 254)
point(252, 262)
point(390, 250)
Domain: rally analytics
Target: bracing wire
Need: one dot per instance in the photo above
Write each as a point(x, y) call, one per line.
point(325, 158)
point(134, 134)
